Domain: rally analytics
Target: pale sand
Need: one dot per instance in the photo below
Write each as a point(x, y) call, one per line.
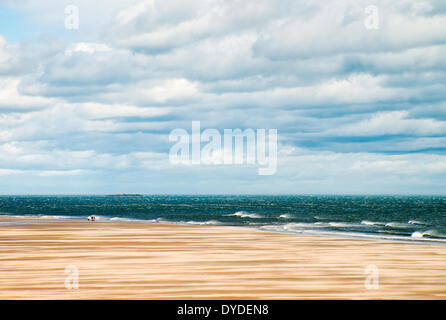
point(124, 260)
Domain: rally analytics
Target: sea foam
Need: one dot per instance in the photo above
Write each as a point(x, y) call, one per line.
point(244, 214)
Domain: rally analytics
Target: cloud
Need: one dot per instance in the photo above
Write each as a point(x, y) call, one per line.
point(357, 110)
point(392, 123)
point(338, 28)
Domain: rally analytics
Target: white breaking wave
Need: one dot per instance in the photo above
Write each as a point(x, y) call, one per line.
point(120, 219)
point(416, 222)
point(372, 223)
point(159, 220)
point(299, 229)
point(57, 217)
point(344, 224)
point(117, 219)
point(397, 225)
point(320, 224)
point(244, 214)
point(417, 234)
point(203, 223)
point(432, 232)
point(285, 216)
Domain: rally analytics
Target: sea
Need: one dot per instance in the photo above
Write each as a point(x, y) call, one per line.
point(396, 218)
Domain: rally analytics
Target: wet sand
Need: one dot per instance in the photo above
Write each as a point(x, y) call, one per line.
point(131, 260)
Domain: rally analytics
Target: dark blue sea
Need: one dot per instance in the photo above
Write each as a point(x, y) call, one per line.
point(402, 218)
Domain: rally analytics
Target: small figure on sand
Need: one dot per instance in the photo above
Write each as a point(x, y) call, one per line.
point(91, 218)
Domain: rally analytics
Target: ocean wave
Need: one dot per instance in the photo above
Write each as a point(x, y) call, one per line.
point(431, 233)
point(244, 214)
point(32, 219)
point(398, 225)
point(285, 216)
point(417, 234)
point(303, 225)
point(57, 217)
point(115, 219)
point(293, 229)
point(205, 223)
point(344, 225)
point(158, 220)
point(121, 219)
point(416, 222)
point(372, 223)
point(320, 224)
point(39, 216)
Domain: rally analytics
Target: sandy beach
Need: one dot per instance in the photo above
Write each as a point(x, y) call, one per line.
point(131, 260)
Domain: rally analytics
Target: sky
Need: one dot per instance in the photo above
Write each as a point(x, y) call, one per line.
point(88, 110)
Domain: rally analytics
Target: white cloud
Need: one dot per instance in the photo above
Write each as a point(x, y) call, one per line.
point(352, 106)
point(12, 99)
point(90, 48)
point(338, 28)
point(392, 123)
point(172, 89)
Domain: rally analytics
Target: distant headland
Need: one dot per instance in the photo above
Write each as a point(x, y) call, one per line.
point(125, 195)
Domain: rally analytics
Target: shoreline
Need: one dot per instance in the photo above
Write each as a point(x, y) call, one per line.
point(30, 219)
point(132, 260)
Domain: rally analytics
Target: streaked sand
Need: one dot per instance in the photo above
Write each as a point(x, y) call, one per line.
point(126, 260)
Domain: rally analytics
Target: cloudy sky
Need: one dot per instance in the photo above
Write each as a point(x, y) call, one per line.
point(89, 110)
